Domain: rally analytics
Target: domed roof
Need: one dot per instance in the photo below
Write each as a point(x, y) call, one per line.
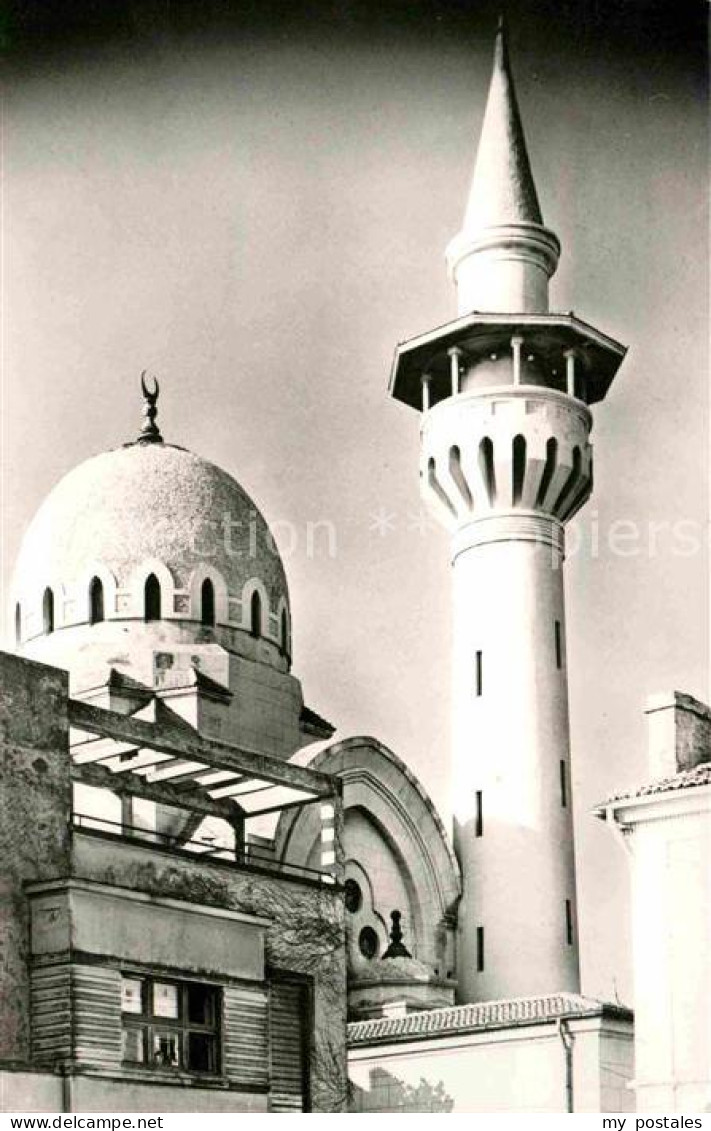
point(149, 502)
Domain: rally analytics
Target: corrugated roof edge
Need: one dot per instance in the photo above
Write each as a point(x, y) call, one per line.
point(482, 1016)
point(685, 779)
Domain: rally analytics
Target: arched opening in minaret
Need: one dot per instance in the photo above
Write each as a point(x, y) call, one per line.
point(18, 623)
point(152, 598)
point(548, 471)
point(455, 470)
point(518, 467)
point(207, 603)
point(573, 477)
point(48, 611)
point(96, 601)
point(579, 494)
point(437, 488)
point(255, 615)
point(486, 468)
point(284, 632)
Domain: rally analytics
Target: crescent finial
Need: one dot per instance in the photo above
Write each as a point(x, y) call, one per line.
point(149, 433)
point(150, 396)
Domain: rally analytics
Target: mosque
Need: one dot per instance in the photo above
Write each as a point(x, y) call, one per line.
point(201, 887)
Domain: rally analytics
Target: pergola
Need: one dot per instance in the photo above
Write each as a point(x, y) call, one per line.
point(166, 761)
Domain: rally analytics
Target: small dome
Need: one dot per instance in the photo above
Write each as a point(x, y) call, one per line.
point(149, 508)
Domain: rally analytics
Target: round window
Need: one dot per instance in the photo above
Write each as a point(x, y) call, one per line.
point(353, 896)
point(368, 942)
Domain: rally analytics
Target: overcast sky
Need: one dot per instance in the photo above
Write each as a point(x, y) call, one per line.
point(257, 208)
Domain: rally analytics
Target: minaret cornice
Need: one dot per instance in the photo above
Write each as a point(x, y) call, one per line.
point(549, 336)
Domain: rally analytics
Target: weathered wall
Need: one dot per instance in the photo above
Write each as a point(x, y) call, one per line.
point(30, 1091)
point(306, 936)
point(90, 1094)
point(35, 802)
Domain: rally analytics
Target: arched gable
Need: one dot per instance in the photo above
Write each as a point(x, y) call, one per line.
point(377, 783)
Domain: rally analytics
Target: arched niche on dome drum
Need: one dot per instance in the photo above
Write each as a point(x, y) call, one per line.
point(151, 598)
point(96, 601)
point(207, 603)
point(18, 622)
point(255, 614)
point(284, 632)
point(48, 611)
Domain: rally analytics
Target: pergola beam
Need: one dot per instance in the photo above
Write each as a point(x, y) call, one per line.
point(131, 785)
point(210, 752)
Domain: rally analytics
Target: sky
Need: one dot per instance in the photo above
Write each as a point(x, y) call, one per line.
point(253, 203)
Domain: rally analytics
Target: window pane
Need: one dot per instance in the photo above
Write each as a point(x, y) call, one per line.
point(200, 1005)
point(201, 1052)
point(166, 1049)
point(131, 1001)
point(165, 999)
point(133, 1046)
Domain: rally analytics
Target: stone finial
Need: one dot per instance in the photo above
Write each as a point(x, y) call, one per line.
point(149, 433)
point(397, 948)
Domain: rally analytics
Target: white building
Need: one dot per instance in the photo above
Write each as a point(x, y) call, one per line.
point(666, 828)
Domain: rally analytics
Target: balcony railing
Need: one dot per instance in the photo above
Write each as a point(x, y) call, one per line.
point(250, 856)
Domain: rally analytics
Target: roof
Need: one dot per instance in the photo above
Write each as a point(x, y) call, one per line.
point(687, 779)
point(481, 1016)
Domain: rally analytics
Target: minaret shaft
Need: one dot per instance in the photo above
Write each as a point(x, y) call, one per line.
point(502, 469)
point(513, 827)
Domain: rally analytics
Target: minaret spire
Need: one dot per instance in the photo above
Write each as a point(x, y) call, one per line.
point(502, 191)
point(503, 256)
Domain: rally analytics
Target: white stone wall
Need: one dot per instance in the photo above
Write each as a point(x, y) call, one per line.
point(508, 1070)
point(671, 917)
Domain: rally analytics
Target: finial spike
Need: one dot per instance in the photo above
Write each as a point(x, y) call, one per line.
point(150, 433)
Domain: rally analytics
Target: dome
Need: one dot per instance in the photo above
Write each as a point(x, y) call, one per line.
point(149, 510)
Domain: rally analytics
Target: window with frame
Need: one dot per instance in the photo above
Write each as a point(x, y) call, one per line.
point(170, 1025)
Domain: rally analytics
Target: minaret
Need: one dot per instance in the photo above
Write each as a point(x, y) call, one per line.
point(505, 462)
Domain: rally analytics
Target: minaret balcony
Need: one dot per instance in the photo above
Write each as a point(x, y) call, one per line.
point(491, 450)
point(557, 351)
